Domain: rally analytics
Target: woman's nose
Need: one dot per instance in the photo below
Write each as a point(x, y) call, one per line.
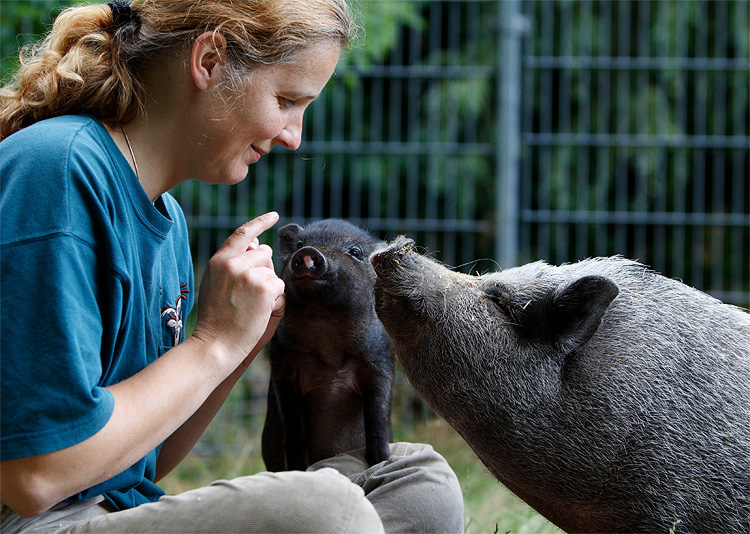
point(290, 136)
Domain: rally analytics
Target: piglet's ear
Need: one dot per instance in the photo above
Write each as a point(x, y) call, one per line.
point(288, 236)
point(577, 309)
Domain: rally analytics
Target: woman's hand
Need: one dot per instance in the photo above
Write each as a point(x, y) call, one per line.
point(241, 300)
point(183, 439)
point(174, 398)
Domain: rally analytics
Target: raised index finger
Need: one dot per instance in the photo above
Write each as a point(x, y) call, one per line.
point(243, 237)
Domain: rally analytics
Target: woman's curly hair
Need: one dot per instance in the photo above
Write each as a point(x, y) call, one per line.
point(89, 65)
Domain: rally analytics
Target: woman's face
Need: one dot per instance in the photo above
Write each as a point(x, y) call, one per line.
point(238, 129)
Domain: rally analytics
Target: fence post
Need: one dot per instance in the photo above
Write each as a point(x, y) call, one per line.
point(511, 26)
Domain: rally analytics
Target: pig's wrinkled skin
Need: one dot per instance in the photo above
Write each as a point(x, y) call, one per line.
point(332, 365)
point(609, 398)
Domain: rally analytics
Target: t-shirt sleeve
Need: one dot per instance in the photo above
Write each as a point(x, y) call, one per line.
point(50, 346)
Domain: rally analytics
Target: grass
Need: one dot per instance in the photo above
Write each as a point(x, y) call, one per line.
point(489, 506)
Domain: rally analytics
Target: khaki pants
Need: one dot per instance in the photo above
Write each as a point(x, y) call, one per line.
point(413, 491)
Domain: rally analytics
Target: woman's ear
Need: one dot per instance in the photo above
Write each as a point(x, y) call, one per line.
point(209, 52)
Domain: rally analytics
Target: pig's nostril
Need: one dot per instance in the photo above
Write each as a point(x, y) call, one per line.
point(308, 262)
point(396, 249)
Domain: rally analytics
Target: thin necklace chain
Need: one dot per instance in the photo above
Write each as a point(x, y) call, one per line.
point(132, 155)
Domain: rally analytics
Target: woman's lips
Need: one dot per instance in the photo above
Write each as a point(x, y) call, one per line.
point(258, 153)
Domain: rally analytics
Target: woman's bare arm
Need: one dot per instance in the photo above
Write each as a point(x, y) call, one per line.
point(239, 294)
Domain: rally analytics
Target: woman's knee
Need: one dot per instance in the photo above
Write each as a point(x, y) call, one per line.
point(320, 501)
point(414, 490)
point(287, 502)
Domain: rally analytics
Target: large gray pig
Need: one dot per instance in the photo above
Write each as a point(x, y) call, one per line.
point(608, 397)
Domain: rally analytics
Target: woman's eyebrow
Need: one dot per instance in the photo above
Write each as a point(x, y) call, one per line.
point(300, 95)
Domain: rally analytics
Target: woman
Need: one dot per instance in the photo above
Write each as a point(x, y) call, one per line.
point(101, 394)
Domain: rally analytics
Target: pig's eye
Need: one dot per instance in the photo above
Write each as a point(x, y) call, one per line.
point(356, 252)
point(499, 303)
point(299, 245)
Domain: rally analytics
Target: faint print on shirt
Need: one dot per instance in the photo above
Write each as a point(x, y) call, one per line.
point(174, 314)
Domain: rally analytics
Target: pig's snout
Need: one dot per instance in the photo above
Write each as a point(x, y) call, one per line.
point(392, 253)
point(308, 261)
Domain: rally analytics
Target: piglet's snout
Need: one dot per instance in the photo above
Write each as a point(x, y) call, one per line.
point(308, 261)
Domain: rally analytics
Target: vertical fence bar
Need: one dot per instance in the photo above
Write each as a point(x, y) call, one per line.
point(582, 126)
point(562, 153)
point(510, 27)
point(606, 88)
point(739, 162)
point(715, 277)
point(547, 36)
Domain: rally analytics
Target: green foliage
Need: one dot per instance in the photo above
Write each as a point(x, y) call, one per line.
point(21, 23)
point(382, 22)
point(624, 95)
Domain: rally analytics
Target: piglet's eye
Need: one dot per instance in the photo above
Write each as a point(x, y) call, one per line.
point(356, 252)
point(299, 245)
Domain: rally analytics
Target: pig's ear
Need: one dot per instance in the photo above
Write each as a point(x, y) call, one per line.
point(288, 236)
point(577, 309)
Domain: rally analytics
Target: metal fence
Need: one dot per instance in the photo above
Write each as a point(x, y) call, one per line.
point(500, 132)
point(496, 132)
point(545, 129)
point(641, 146)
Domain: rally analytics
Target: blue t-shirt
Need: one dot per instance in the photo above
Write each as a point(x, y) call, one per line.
point(95, 284)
